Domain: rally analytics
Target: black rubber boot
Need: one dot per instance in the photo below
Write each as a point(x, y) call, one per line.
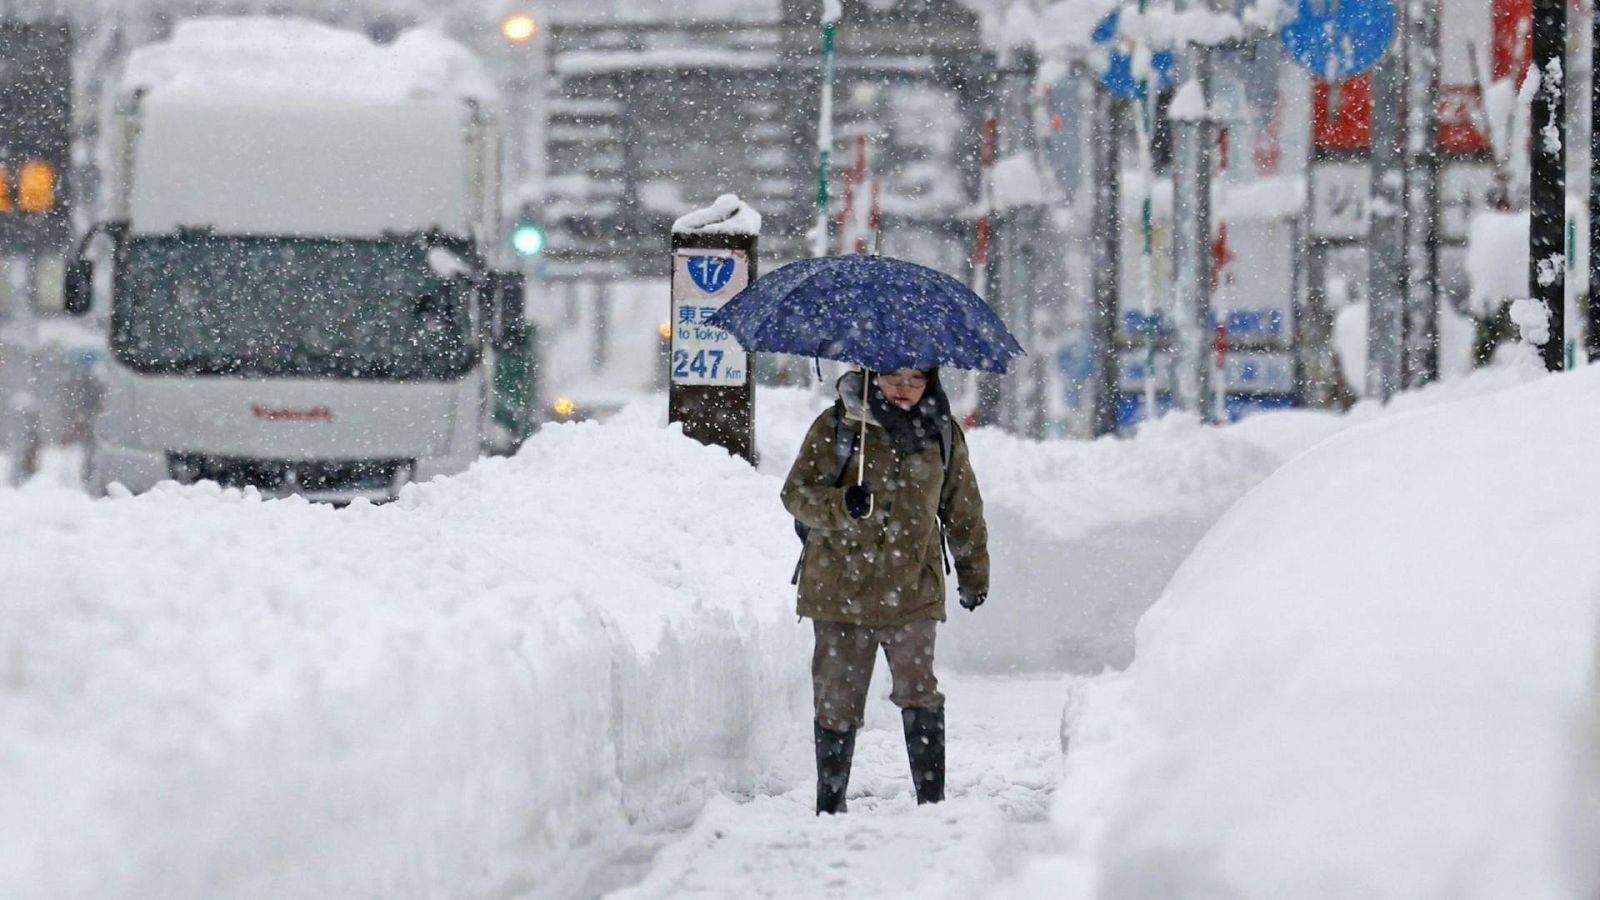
point(834, 749)
point(925, 747)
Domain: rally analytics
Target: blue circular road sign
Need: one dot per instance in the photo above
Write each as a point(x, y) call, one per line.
point(1338, 39)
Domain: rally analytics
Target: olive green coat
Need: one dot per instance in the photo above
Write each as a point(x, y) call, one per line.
point(886, 569)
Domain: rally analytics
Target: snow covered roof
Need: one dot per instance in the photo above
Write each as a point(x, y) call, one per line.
point(257, 56)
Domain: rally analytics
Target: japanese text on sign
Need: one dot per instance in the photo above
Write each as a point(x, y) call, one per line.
point(1341, 200)
point(701, 282)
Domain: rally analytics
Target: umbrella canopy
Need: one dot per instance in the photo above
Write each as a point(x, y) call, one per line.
point(875, 311)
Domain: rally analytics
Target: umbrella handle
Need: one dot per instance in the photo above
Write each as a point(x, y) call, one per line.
point(861, 461)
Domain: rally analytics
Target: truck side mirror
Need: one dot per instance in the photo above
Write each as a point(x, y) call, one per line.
point(506, 298)
point(77, 288)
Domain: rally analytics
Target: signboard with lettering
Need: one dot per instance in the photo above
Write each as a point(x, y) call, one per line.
point(1132, 371)
point(1254, 296)
point(1260, 372)
point(1341, 200)
point(35, 136)
point(703, 280)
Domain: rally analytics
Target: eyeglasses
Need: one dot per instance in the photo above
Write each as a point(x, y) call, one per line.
point(910, 380)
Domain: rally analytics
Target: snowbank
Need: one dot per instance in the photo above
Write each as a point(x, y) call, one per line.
point(1458, 335)
point(1375, 677)
point(473, 691)
point(1497, 260)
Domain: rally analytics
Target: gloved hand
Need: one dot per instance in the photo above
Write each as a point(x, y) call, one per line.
point(858, 500)
point(971, 599)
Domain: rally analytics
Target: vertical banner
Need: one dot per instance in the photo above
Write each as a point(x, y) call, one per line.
point(709, 388)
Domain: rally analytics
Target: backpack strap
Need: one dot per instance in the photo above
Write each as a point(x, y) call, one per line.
point(947, 441)
point(844, 443)
point(844, 446)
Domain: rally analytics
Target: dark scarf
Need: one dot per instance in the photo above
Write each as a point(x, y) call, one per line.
point(909, 429)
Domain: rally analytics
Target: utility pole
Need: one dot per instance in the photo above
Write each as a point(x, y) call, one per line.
point(1547, 208)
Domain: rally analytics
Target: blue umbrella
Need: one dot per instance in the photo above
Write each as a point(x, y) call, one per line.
point(875, 311)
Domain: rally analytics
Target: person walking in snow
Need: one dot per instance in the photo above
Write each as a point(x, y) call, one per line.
point(882, 482)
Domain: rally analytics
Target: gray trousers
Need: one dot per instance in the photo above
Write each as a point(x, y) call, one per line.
point(841, 669)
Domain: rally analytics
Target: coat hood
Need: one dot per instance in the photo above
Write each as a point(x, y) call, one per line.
point(850, 391)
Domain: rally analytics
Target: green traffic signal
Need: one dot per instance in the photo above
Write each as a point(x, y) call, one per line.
point(528, 240)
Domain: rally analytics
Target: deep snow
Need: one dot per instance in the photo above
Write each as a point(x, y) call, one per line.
point(476, 688)
point(1004, 760)
point(518, 681)
point(1375, 677)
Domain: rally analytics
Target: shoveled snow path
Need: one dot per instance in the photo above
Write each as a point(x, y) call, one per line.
point(1003, 762)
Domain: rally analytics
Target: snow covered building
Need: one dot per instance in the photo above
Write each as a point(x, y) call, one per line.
point(648, 118)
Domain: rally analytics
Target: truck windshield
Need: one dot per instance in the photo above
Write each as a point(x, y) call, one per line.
point(290, 307)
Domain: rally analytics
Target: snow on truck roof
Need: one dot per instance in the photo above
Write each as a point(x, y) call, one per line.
point(282, 127)
point(260, 57)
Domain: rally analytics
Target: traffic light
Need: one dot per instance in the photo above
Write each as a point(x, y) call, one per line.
point(528, 239)
point(519, 27)
point(36, 186)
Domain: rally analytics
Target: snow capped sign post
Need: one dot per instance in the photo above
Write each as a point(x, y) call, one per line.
point(710, 391)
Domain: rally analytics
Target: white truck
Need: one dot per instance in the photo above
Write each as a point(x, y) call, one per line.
point(302, 238)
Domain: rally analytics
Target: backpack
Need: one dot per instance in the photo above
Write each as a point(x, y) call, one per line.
point(844, 446)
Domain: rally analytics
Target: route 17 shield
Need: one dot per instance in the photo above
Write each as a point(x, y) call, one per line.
point(711, 273)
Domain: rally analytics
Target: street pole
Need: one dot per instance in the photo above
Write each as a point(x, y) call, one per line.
point(985, 276)
point(1420, 362)
point(819, 229)
point(1547, 208)
point(1592, 335)
point(19, 362)
point(1105, 148)
point(982, 235)
point(1018, 227)
point(1387, 250)
point(1191, 234)
point(1144, 130)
